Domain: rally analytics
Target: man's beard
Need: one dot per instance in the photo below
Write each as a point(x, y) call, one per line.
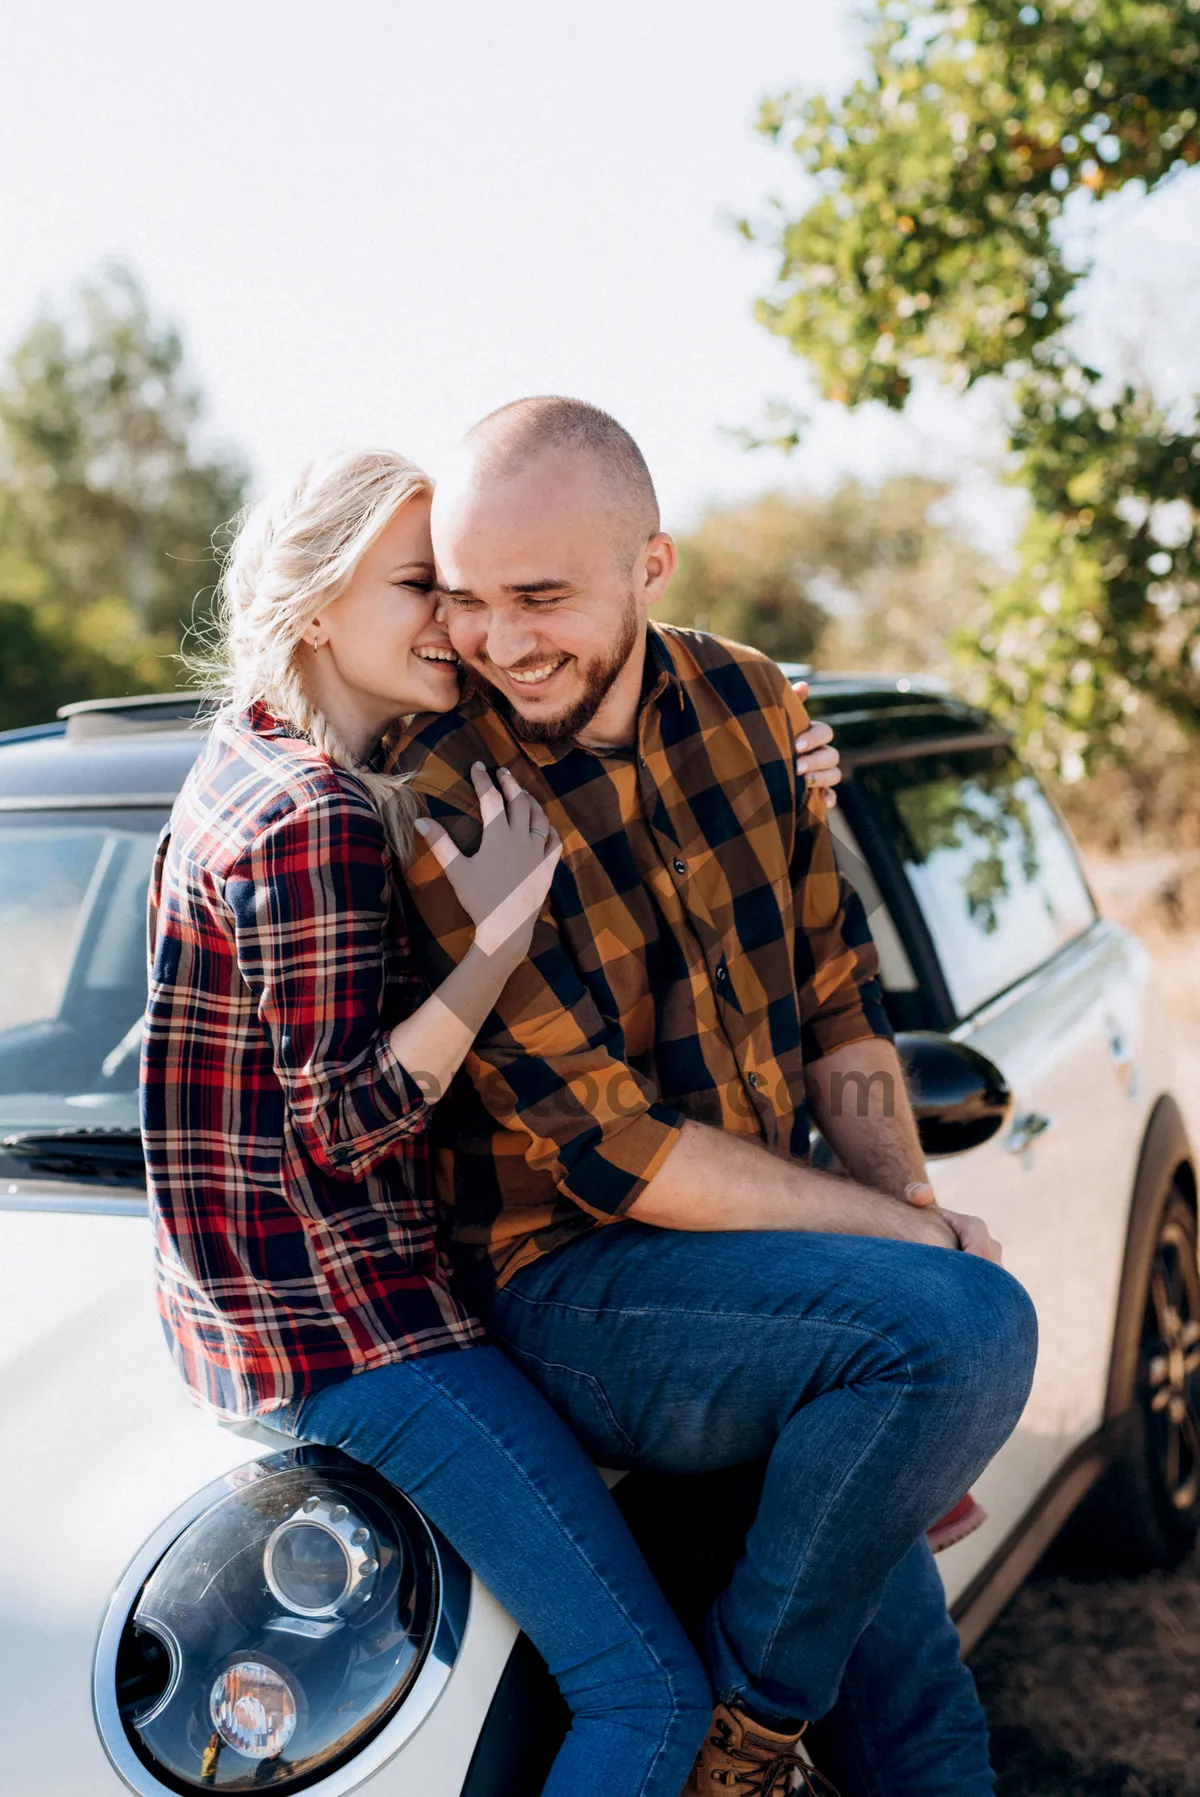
point(598, 679)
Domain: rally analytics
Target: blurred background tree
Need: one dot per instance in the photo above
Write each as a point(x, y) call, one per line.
point(936, 238)
point(855, 579)
point(109, 502)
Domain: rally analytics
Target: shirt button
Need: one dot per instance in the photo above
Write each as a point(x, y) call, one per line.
point(680, 866)
point(642, 762)
point(752, 1081)
point(721, 971)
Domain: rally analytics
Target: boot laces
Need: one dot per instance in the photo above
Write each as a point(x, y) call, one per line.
point(785, 1774)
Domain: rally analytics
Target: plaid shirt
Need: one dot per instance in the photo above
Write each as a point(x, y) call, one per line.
point(286, 1146)
point(698, 948)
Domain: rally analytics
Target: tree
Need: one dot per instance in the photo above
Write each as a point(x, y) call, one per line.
point(855, 579)
point(108, 503)
point(936, 237)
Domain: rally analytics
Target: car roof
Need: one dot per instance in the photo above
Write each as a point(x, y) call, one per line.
point(123, 754)
point(129, 753)
point(882, 715)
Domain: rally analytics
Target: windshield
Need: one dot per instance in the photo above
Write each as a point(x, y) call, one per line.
point(72, 966)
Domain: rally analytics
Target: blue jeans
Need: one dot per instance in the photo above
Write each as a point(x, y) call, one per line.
point(875, 1378)
point(480, 1453)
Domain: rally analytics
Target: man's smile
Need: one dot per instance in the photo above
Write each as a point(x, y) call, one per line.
point(540, 675)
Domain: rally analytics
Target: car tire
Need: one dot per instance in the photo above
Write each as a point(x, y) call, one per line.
point(1145, 1513)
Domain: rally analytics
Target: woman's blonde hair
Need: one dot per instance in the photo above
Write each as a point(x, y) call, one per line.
point(291, 555)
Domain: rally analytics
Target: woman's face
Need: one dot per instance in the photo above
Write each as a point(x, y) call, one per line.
point(380, 645)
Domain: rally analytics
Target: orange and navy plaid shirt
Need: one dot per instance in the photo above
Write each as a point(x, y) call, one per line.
point(698, 948)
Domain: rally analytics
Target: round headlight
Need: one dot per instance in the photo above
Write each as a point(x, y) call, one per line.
point(322, 1560)
point(253, 1710)
point(297, 1617)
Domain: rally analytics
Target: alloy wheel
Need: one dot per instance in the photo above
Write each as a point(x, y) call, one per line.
point(1171, 1362)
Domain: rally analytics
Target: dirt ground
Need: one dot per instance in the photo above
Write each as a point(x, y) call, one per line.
point(1094, 1687)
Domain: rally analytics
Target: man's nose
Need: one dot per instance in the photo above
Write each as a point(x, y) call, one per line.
point(509, 640)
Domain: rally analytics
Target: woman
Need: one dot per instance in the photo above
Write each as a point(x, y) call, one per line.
point(288, 1066)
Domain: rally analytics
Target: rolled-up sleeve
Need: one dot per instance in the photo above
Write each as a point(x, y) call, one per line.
point(547, 1067)
point(309, 900)
point(837, 964)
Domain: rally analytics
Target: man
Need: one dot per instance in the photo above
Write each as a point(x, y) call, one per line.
point(626, 1157)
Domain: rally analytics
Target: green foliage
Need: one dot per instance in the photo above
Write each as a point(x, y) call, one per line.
point(1105, 607)
point(48, 657)
point(858, 578)
point(945, 169)
point(108, 504)
point(936, 238)
point(746, 572)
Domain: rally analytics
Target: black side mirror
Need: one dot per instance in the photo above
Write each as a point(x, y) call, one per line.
point(959, 1097)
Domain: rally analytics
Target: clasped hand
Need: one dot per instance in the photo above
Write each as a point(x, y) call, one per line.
point(503, 885)
point(956, 1229)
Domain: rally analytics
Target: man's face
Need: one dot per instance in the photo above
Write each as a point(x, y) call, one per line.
point(540, 602)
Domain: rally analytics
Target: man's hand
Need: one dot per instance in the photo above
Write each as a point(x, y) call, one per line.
point(973, 1234)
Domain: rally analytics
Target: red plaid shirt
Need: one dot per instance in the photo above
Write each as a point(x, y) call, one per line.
point(285, 1144)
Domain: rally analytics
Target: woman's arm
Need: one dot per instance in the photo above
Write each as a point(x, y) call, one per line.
point(309, 901)
point(501, 888)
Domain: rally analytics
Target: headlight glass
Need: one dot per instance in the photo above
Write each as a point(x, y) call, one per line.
point(280, 1630)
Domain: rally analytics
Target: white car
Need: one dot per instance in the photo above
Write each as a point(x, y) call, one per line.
point(153, 1563)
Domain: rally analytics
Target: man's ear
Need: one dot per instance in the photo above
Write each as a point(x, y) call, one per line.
point(657, 565)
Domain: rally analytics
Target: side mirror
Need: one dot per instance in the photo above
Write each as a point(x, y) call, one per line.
point(960, 1098)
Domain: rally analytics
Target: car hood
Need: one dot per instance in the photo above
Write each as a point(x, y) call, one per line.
point(99, 1442)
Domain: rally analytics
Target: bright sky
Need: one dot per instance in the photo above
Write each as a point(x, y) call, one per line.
point(376, 221)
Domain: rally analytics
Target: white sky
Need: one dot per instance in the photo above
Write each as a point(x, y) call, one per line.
point(374, 221)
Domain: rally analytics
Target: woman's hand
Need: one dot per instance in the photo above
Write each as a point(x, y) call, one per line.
point(816, 758)
point(503, 885)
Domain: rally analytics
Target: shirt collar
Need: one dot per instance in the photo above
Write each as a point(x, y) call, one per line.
point(661, 672)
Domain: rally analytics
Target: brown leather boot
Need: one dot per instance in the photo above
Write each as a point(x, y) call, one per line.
point(742, 1756)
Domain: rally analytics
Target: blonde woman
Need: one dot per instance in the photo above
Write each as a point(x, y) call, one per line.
point(290, 1059)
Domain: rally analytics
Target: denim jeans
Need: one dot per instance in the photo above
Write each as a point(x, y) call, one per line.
point(875, 1378)
point(479, 1452)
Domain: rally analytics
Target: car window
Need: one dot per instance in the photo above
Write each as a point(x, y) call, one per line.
point(990, 864)
point(895, 969)
point(72, 959)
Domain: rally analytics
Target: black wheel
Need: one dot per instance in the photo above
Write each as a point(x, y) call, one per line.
point(1146, 1512)
point(1169, 1379)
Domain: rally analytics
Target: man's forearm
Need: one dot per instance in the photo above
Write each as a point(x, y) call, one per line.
point(712, 1180)
point(859, 1101)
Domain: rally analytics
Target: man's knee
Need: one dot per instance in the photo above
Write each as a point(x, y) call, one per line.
point(982, 1330)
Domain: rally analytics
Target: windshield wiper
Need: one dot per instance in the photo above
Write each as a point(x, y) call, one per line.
point(113, 1156)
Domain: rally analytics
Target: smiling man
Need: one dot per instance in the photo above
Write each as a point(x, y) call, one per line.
point(625, 1155)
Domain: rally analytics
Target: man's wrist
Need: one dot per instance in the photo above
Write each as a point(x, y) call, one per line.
point(936, 1229)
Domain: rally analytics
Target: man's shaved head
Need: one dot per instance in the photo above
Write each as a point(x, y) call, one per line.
point(502, 445)
point(549, 556)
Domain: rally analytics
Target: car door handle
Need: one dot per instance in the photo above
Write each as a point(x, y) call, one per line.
point(1124, 1064)
point(1026, 1129)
